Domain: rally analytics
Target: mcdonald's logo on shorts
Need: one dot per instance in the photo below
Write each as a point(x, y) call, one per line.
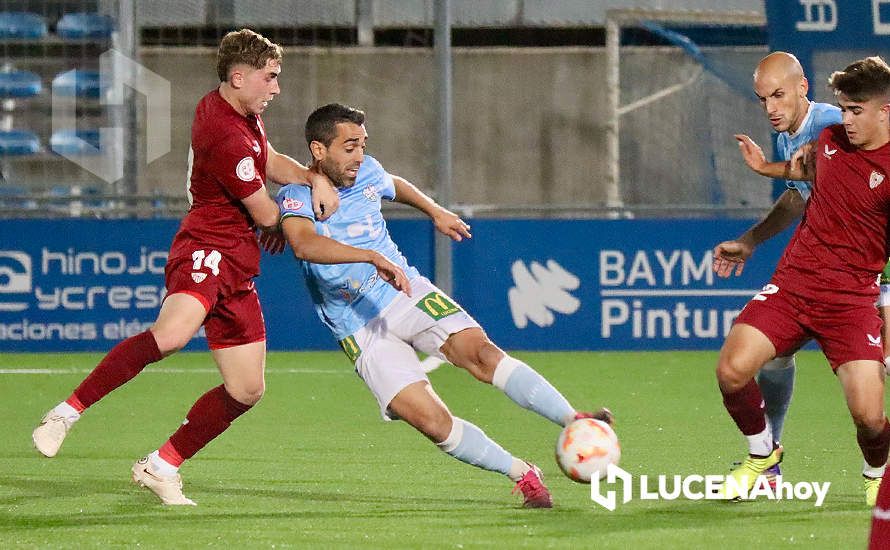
point(437, 306)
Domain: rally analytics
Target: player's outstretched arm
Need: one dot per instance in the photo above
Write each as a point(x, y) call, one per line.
point(283, 169)
point(446, 222)
point(756, 161)
point(312, 247)
point(731, 256)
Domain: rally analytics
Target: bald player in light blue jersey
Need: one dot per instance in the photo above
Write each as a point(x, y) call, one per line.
point(781, 87)
point(381, 329)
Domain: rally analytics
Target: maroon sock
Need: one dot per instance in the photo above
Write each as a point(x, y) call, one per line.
point(210, 416)
point(880, 521)
point(874, 449)
point(123, 362)
point(746, 408)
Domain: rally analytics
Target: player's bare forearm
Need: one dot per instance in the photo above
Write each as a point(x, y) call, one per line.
point(262, 208)
point(312, 247)
point(447, 222)
point(283, 169)
point(408, 193)
point(777, 170)
point(784, 212)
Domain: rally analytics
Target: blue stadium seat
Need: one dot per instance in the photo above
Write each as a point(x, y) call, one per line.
point(77, 83)
point(18, 84)
point(19, 25)
point(18, 142)
point(13, 196)
point(75, 142)
point(89, 197)
point(78, 26)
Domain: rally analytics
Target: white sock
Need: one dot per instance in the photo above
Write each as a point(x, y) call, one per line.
point(161, 466)
point(467, 443)
point(872, 471)
point(528, 389)
point(761, 444)
point(518, 469)
point(67, 412)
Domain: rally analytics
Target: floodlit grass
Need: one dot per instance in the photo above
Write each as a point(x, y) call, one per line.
point(313, 465)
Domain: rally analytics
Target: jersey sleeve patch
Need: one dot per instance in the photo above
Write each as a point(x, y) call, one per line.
point(295, 200)
point(246, 170)
point(233, 164)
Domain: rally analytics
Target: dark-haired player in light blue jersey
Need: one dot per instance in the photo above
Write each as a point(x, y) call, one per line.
point(354, 271)
point(781, 87)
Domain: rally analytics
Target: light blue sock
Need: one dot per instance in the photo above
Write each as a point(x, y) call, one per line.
point(531, 391)
point(469, 444)
point(776, 381)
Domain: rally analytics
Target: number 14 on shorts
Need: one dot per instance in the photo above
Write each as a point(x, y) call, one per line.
point(210, 261)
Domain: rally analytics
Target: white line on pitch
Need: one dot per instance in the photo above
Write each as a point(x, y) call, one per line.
point(170, 371)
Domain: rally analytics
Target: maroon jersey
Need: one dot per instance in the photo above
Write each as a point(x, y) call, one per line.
point(840, 246)
point(228, 164)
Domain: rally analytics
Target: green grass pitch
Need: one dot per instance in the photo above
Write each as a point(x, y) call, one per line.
point(313, 465)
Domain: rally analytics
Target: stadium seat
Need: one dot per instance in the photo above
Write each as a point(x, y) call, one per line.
point(89, 197)
point(77, 83)
point(19, 84)
point(18, 143)
point(75, 142)
point(18, 25)
point(13, 196)
point(78, 26)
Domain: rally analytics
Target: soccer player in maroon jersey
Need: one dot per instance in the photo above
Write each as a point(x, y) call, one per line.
point(825, 286)
point(880, 521)
point(210, 269)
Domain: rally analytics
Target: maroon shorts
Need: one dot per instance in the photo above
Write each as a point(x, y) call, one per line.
point(234, 316)
point(845, 332)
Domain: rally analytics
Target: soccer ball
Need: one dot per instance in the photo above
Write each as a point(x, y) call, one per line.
point(585, 448)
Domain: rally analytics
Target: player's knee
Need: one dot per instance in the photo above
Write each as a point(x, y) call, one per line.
point(730, 375)
point(476, 353)
point(485, 358)
point(169, 342)
point(248, 393)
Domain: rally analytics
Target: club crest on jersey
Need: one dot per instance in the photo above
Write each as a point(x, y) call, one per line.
point(245, 169)
point(829, 152)
point(292, 204)
point(370, 193)
point(875, 179)
point(198, 277)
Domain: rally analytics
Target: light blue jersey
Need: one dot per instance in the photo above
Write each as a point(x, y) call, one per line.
point(819, 116)
point(348, 296)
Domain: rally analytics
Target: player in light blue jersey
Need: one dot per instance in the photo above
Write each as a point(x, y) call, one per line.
point(781, 87)
point(380, 329)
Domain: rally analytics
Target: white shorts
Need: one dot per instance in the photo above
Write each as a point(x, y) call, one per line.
point(884, 299)
point(387, 346)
